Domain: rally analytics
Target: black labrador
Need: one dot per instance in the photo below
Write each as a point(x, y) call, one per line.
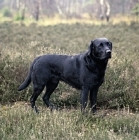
point(83, 71)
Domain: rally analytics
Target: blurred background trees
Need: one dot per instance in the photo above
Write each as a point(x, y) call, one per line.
point(102, 9)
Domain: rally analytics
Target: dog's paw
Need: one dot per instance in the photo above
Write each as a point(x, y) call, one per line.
point(53, 107)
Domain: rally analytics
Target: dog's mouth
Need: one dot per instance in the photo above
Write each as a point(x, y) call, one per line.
point(106, 55)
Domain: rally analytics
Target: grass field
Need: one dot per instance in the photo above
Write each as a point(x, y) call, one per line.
point(20, 122)
point(118, 97)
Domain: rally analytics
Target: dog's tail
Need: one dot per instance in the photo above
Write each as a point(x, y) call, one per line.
point(26, 82)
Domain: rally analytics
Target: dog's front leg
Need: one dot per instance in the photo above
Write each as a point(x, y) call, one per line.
point(84, 98)
point(93, 99)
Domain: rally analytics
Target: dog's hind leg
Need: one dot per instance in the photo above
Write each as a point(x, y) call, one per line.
point(50, 87)
point(37, 91)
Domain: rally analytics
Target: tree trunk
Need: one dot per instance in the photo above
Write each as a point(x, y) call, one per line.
point(105, 9)
point(37, 9)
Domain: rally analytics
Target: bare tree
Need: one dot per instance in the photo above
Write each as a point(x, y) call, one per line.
point(69, 8)
point(105, 9)
point(36, 9)
point(23, 8)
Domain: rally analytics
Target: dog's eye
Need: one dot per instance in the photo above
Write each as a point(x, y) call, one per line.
point(100, 45)
point(109, 44)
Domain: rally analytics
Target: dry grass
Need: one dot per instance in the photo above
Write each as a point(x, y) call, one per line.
point(85, 19)
point(20, 122)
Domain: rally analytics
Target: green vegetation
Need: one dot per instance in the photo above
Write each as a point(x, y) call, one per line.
point(117, 97)
point(6, 12)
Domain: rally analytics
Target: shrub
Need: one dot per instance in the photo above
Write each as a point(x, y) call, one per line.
point(6, 12)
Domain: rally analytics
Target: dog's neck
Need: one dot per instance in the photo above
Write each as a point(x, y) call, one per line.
point(99, 64)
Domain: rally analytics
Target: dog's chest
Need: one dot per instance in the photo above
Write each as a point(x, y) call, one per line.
point(95, 78)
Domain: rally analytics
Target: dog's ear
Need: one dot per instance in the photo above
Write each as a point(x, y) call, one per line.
point(110, 44)
point(91, 48)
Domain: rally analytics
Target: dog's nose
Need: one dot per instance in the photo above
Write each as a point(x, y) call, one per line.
point(108, 53)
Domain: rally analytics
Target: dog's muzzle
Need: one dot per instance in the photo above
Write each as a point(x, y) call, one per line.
point(108, 53)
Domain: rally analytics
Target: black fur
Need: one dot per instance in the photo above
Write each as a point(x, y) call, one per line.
point(83, 71)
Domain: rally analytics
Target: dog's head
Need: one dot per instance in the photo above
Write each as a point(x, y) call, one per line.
point(100, 48)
